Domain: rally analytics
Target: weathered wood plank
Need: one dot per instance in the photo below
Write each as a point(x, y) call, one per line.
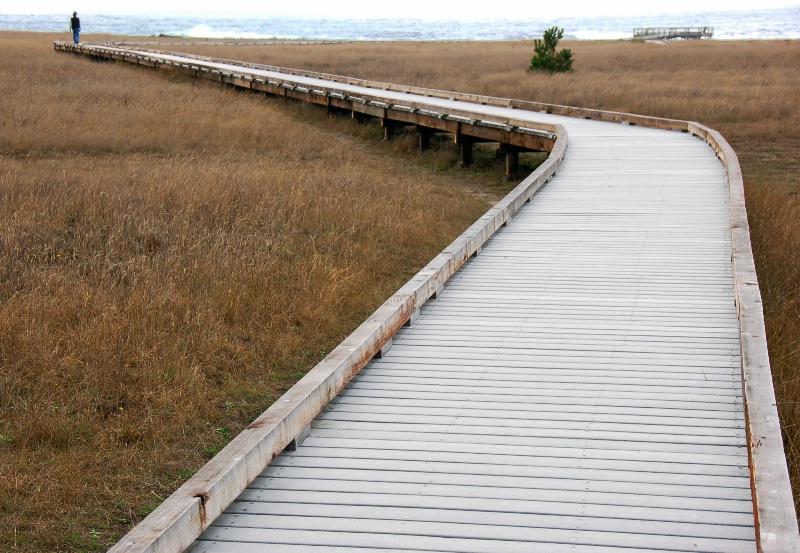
point(516, 457)
point(362, 411)
point(549, 498)
point(676, 490)
point(440, 537)
point(253, 515)
point(689, 417)
point(291, 541)
point(572, 505)
point(644, 440)
point(730, 409)
point(545, 455)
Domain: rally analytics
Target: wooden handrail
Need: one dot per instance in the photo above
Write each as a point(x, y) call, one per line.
point(668, 33)
point(773, 504)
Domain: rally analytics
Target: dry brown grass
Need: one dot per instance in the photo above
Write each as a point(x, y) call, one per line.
point(745, 89)
point(173, 256)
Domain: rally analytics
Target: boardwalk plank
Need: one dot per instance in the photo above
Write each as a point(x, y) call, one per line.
point(565, 504)
point(517, 457)
point(452, 464)
point(252, 515)
point(585, 442)
point(551, 500)
point(425, 535)
point(532, 453)
point(574, 482)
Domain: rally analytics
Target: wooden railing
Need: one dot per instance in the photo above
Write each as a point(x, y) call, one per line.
point(669, 33)
point(773, 504)
point(184, 515)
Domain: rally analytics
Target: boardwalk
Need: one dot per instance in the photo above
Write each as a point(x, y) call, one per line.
point(577, 386)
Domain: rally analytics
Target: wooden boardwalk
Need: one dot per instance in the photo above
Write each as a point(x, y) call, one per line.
point(576, 386)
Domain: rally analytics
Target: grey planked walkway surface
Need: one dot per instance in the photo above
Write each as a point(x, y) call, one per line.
point(576, 387)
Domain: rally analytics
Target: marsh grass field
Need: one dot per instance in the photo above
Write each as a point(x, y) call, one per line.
point(175, 254)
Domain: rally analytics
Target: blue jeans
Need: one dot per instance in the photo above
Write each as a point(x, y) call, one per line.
point(76, 35)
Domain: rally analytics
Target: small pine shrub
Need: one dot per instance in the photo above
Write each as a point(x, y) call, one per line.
point(545, 56)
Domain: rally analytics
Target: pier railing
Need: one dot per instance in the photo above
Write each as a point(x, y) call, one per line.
point(669, 33)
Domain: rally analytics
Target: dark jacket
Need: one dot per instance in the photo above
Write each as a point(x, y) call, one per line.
point(75, 24)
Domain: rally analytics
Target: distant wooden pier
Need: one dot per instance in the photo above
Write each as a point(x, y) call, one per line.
point(669, 33)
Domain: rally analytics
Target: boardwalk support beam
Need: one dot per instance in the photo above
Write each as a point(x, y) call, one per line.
point(298, 440)
point(511, 155)
point(424, 135)
point(464, 153)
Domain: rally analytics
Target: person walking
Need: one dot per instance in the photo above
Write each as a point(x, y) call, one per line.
point(75, 27)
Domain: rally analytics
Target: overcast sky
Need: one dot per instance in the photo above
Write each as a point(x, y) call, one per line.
point(362, 9)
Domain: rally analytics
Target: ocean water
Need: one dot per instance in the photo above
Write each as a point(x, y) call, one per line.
point(757, 24)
